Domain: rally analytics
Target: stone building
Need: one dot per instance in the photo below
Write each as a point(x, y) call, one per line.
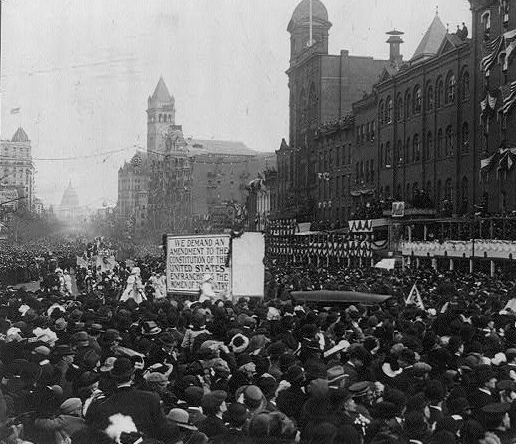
point(181, 185)
point(16, 167)
point(133, 189)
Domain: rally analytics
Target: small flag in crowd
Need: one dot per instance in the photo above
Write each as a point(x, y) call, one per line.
point(415, 298)
point(15, 110)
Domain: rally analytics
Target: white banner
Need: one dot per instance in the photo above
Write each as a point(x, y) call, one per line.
point(189, 258)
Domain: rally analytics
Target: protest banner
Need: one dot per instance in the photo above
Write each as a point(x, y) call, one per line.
point(191, 257)
point(235, 263)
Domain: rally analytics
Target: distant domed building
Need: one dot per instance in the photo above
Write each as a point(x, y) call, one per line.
point(69, 209)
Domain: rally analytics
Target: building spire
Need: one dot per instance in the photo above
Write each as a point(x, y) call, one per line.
point(437, 10)
point(311, 40)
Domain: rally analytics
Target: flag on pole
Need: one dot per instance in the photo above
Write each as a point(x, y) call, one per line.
point(493, 48)
point(15, 110)
point(508, 96)
point(415, 298)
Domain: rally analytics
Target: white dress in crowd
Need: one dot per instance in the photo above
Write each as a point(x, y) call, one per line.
point(134, 289)
point(67, 283)
point(206, 289)
point(159, 286)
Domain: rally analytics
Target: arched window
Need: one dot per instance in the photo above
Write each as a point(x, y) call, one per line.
point(438, 192)
point(465, 194)
point(301, 110)
point(388, 110)
point(400, 152)
point(439, 144)
point(381, 112)
point(416, 108)
point(408, 104)
point(388, 154)
point(448, 143)
point(415, 189)
point(387, 192)
point(465, 85)
point(448, 190)
point(398, 193)
point(407, 151)
point(429, 145)
point(292, 117)
point(465, 137)
point(399, 108)
point(439, 91)
point(451, 85)
point(429, 98)
point(408, 195)
point(312, 103)
point(416, 148)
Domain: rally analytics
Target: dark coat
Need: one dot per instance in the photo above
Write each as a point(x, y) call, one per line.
point(212, 426)
point(143, 407)
point(290, 401)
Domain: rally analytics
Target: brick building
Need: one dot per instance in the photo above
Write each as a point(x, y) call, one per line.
point(494, 34)
point(322, 88)
point(410, 136)
point(425, 118)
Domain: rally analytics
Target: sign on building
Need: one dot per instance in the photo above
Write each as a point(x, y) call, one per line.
point(398, 209)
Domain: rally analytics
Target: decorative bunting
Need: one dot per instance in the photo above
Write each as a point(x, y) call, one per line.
point(508, 96)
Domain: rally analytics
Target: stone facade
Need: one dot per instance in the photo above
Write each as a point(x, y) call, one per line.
point(16, 167)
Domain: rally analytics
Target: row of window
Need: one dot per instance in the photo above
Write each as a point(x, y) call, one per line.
point(326, 189)
point(366, 132)
point(415, 151)
point(412, 103)
point(327, 160)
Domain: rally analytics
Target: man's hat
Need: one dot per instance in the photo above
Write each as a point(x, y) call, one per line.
point(235, 415)
point(70, 406)
point(87, 379)
point(360, 388)
point(60, 324)
point(150, 328)
point(457, 406)
point(63, 350)
point(193, 395)
point(181, 419)
point(123, 369)
point(81, 339)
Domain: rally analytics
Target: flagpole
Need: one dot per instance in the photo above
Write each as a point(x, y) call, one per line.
point(311, 24)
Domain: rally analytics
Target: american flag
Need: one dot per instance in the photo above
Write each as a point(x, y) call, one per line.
point(493, 48)
point(508, 96)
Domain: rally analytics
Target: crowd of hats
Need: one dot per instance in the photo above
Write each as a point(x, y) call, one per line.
point(275, 370)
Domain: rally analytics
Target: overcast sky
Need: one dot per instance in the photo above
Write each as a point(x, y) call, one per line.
point(81, 72)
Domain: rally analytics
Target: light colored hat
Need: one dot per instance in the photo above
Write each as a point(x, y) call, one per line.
point(71, 405)
point(206, 277)
point(135, 271)
point(181, 418)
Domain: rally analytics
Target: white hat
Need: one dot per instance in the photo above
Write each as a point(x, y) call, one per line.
point(206, 277)
point(135, 270)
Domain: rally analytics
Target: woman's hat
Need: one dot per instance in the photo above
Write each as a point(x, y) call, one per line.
point(239, 343)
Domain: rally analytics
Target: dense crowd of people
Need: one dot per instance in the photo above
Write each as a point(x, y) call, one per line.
point(120, 361)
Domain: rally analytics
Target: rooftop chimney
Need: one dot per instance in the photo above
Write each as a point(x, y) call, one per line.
point(394, 42)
